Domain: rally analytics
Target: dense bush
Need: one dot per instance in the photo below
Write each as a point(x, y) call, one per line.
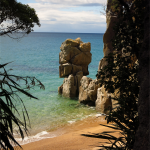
point(120, 75)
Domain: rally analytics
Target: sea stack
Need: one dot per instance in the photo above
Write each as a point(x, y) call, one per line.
point(74, 59)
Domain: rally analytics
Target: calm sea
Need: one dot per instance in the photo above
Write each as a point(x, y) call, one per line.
point(37, 54)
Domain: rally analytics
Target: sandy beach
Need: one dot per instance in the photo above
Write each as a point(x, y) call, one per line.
point(70, 137)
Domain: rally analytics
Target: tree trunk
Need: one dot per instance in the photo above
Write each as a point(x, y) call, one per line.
point(142, 136)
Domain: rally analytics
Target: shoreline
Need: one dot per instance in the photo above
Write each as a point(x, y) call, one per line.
point(54, 132)
point(70, 138)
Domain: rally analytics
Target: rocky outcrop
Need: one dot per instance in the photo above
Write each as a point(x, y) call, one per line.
point(75, 56)
point(103, 102)
point(88, 91)
point(108, 35)
point(74, 59)
point(69, 86)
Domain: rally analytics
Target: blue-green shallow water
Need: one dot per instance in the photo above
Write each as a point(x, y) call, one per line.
point(37, 54)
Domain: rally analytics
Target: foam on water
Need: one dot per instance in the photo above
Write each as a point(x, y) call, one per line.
point(100, 114)
point(72, 121)
point(40, 136)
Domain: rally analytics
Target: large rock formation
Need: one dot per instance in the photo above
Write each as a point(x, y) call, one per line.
point(74, 59)
point(104, 103)
point(109, 34)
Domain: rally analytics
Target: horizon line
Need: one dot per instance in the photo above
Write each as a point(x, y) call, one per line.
point(65, 32)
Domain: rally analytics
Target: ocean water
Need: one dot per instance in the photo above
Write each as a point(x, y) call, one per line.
point(37, 54)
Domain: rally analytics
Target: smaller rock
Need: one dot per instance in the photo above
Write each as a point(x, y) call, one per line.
point(70, 87)
point(103, 102)
point(88, 91)
point(69, 43)
point(73, 43)
point(83, 90)
point(85, 47)
point(82, 59)
point(78, 40)
point(85, 81)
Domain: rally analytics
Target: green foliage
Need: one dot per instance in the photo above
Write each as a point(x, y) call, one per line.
point(16, 17)
point(10, 90)
point(120, 75)
point(125, 85)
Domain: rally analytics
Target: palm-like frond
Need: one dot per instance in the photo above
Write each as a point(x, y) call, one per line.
point(9, 92)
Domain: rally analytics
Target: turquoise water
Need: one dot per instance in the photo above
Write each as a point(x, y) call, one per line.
point(37, 54)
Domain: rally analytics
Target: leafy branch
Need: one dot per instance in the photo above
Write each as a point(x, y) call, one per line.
point(9, 93)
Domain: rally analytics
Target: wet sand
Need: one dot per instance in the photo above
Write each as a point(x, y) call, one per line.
point(70, 137)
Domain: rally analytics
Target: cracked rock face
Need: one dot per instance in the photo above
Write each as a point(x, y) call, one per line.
point(75, 56)
point(88, 90)
point(74, 59)
point(104, 103)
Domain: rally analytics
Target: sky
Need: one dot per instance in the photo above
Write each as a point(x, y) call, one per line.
point(75, 16)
